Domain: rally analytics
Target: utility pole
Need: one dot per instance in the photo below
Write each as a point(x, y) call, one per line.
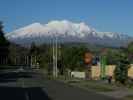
point(31, 61)
point(53, 47)
point(55, 56)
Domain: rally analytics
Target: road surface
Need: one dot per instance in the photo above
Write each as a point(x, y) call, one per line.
point(32, 85)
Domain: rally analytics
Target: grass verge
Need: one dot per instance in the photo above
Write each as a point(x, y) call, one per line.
point(93, 85)
point(130, 97)
point(88, 84)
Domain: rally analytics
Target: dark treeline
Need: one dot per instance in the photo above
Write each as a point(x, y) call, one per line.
point(70, 56)
point(4, 47)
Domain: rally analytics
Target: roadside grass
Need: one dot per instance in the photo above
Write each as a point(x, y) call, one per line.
point(100, 86)
point(97, 86)
point(93, 85)
point(130, 97)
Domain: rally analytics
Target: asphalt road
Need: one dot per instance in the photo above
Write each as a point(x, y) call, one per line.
point(32, 85)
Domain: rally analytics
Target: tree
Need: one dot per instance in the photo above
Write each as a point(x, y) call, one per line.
point(41, 54)
point(112, 55)
point(3, 41)
point(4, 46)
point(33, 52)
point(130, 51)
point(121, 70)
point(72, 57)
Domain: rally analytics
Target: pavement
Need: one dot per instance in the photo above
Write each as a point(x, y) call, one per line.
point(33, 85)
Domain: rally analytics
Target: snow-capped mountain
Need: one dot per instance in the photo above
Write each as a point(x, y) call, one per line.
point(65, 31)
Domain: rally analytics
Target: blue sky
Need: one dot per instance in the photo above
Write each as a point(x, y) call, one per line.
point(103, 15)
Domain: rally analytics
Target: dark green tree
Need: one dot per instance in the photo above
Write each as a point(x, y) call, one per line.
point(4, 46)
point(121, 71)
point(112, 55)
point(130, 52)
point(72, 57)
point(33, 54)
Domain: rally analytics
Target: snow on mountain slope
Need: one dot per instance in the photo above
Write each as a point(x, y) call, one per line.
point(65, 29)
point(54, 27)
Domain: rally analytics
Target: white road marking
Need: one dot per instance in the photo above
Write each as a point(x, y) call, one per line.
point(27, 96)
point(26, 93)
